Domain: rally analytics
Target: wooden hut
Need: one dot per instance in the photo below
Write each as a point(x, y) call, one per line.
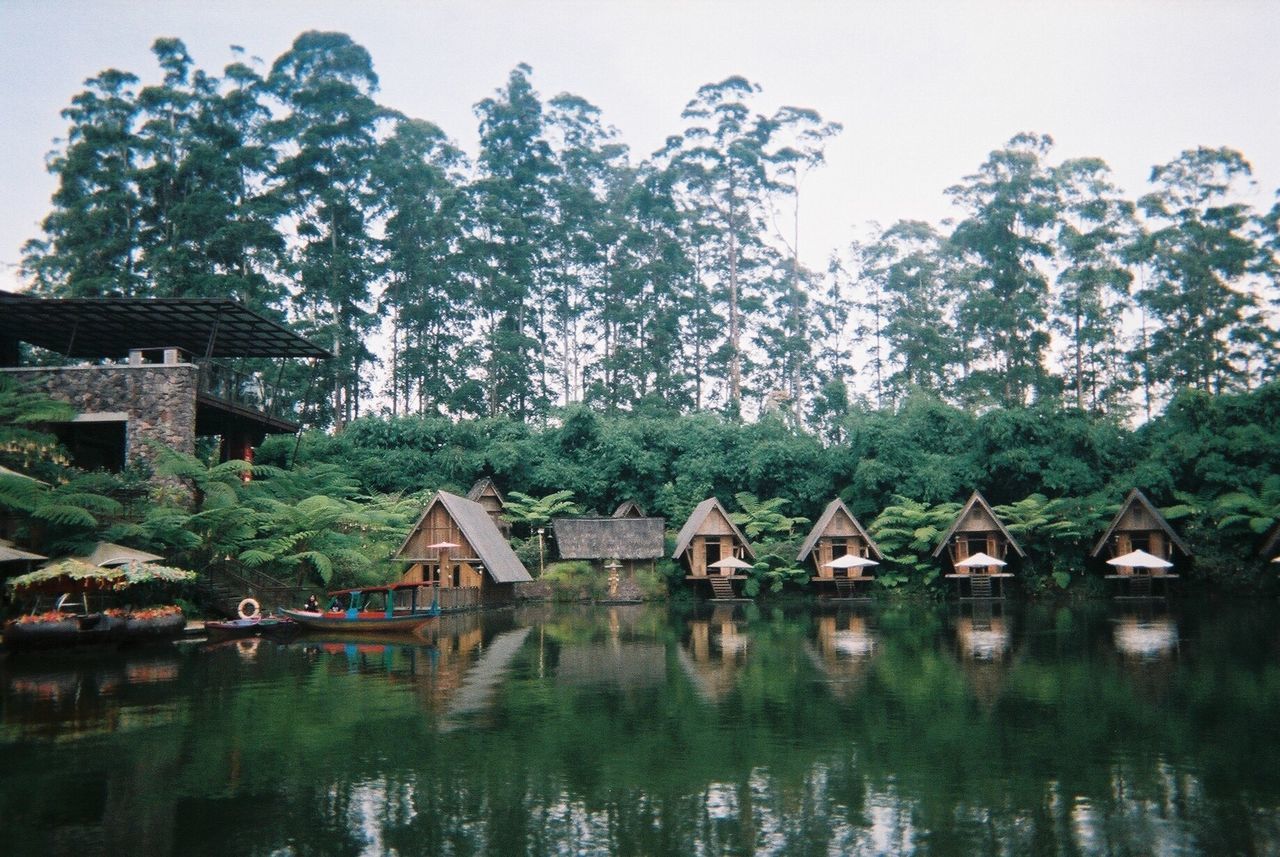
point(708, 537)
point(1139, 526)
point(629, 509)
point(481, 570)
point(487, 495)
point(977, 530)
point(838, 533)
point(633, 542)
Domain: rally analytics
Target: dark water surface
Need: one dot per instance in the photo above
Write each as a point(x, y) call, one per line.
point(640, 730)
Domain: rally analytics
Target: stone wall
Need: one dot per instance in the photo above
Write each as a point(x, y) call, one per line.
point(159, 401)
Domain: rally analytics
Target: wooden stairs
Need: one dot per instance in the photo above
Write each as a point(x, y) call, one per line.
point(979, 586)
point(1140, 586)
point(721, 589)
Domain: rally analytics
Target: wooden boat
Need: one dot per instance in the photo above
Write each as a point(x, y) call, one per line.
point(370, 609)
point(249, 627)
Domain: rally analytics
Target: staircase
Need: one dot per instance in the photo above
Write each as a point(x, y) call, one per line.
point(1140, 586)
point(845, 588)
point(979, 586)
point(721, 588)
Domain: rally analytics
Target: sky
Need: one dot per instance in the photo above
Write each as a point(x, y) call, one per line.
point(924, 90)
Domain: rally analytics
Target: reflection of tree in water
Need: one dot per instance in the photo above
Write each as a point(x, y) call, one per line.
point(295, 752)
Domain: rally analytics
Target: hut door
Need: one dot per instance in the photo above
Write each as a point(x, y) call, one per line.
point(711, 548)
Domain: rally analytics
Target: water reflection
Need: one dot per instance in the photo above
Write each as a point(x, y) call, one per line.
point(1015, 730)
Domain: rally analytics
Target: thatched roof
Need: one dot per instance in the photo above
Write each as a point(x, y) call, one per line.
point(492, 550)
point(1136, 497)
point(629, 509)
point(835, 507)
point(694, 524)
point(977, 501)
point(610, 538)
point(484, 486)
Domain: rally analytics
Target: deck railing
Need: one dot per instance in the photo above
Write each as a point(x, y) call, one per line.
point(247, 390)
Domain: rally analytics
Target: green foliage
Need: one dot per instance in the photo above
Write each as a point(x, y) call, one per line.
point(535, 512)
point(907, 531)
point(763, 520)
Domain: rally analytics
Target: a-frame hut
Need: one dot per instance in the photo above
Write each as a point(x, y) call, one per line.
point(838, 533)
point(710, 537)
point(977, 530)
point(487, 495)
point(629, 509)
point(1139, 526)
point(481, 570)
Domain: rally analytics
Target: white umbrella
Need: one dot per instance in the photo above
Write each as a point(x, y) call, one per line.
point(1140, 559)
point(1276, 559)
point(850, 561)
point(980, 560)
point(730, 562)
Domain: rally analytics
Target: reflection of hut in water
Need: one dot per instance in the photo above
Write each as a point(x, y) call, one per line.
point(713, 652)
point(985, 644)
point(709, 537)
point(456, 546)
point(837, 534)
point(975, 535)
point(842, 649)
point(627, 665)
point(480, 682)
point(1139, 526)
point(1146, 638)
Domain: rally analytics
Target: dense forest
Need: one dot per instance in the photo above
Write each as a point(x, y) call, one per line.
point(566, 317)
point(555, 268)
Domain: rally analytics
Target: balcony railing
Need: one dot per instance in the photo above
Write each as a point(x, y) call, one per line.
point(246, 390)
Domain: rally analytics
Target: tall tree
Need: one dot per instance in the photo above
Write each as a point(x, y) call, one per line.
point(1201, 254)
point(1096, 225)
point(90, 242)
point(417, 180)
point(1005, 310)
point(327, 137)
point(510, 198)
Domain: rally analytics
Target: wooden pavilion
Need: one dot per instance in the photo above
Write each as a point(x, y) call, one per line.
point(977, 530)
point(1139, 526)
point(456, 545)
point(486, 493)
point(710, 537)
point(633, 542)
point(838, 533)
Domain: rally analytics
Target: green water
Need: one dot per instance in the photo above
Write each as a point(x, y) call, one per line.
point(639, 730)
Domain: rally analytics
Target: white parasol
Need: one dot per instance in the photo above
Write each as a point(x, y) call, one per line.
point(730, 562)
point(850, 561)
point(1140, 559)
point(980, 560)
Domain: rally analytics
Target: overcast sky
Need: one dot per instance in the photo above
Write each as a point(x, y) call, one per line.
point(924, 90)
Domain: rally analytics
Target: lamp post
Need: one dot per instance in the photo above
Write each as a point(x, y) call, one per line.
point(541, 555)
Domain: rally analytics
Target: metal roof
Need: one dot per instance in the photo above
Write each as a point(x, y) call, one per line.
point(111, 327)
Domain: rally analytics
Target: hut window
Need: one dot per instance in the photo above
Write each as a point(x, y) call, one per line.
point(713, 551)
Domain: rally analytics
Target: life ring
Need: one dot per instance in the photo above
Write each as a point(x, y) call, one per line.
point(249, 609)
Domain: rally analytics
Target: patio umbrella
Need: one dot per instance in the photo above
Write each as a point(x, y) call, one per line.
point(1140, 559)
point(850, 561)
point(980, 560)
point(109, 554)
point(730, 562)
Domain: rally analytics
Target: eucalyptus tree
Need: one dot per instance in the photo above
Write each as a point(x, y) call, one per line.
point(1204, 258)
point(908, 272)
point(592, 172)
point(1004, 310)
point(1096, 225)
point(418, 182)
point(89, 246)
point(326, 137)
point(721, 157)
point(510, 196)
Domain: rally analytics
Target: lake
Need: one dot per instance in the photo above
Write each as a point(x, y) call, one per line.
point(639, 730)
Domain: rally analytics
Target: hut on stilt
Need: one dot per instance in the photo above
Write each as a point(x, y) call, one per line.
point(842, 553)
point(976, 546)
point(1140, 548)
point(713, 550)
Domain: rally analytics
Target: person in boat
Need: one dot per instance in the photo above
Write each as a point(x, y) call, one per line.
point(312, 605)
